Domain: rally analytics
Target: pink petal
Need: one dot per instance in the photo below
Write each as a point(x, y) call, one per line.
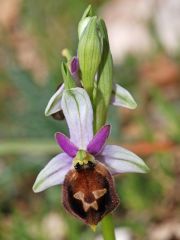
point(66, 145)
point(98, 141)
point(74, 67)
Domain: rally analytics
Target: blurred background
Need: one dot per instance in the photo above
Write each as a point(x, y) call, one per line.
point(145, 43)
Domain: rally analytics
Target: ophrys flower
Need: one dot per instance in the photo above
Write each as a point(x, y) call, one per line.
point(86, 166)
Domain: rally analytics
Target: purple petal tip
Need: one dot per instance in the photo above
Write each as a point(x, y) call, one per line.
point(66, 145)
point(74, 65)
point(98, 141)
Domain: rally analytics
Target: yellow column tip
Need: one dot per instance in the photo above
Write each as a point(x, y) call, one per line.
point(93, 227)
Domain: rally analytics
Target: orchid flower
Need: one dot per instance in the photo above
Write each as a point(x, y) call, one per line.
point(87, 164)
point(120, 96)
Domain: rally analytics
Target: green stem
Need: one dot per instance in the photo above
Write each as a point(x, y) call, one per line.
point(107, 222)
point(108, 228)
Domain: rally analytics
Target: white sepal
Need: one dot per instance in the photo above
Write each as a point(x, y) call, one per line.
point(121, 97)
point(54, 104)
point(53, 173)
point(77, 109)
point(120, 160)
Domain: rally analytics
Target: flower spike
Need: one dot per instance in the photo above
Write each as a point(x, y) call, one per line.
point(87, 164)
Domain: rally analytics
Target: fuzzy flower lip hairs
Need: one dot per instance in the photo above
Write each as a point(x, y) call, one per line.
point(87, 165)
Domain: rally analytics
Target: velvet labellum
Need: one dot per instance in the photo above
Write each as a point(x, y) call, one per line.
point(89, 193)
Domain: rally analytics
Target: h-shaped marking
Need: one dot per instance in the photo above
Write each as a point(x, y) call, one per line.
point(97, 194)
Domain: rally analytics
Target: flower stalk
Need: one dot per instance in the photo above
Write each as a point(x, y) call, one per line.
point(108, 228)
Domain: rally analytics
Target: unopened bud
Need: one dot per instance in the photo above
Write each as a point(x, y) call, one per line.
point(89, 54)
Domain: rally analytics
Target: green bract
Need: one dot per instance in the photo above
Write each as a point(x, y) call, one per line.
point(105, 79)
point(68, 80)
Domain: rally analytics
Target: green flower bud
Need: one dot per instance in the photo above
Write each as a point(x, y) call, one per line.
point(87, 12)
point(89, 54)
point(82, 25)
point(86, 17)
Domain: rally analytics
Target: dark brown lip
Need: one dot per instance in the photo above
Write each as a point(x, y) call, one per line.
point(89, 194)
